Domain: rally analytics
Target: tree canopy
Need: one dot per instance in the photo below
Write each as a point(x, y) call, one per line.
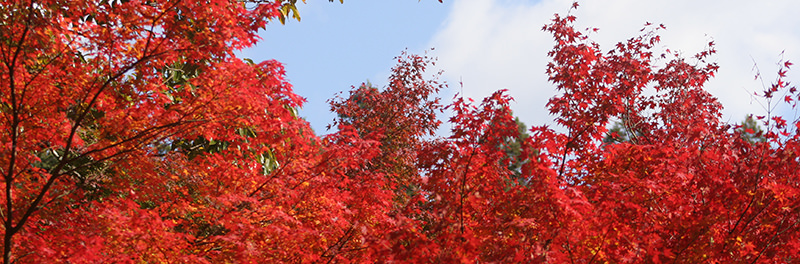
point(131, 133)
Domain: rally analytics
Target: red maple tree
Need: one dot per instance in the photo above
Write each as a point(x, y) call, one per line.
point(131, 133)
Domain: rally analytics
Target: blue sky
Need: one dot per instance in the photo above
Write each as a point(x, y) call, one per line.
point(336, 46)
point(498, 44)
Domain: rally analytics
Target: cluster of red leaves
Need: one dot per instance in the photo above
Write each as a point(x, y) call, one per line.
point(687, 187)
point(131, 133)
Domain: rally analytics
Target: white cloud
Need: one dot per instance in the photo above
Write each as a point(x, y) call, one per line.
point(496, 44)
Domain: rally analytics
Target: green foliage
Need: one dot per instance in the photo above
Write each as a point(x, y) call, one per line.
point(289, 8)
point(513, 149)
point(751, 131)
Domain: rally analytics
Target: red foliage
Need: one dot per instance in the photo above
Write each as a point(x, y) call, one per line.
point(132, 134)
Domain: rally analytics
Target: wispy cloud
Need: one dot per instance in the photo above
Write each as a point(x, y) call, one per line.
point(498, 44)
